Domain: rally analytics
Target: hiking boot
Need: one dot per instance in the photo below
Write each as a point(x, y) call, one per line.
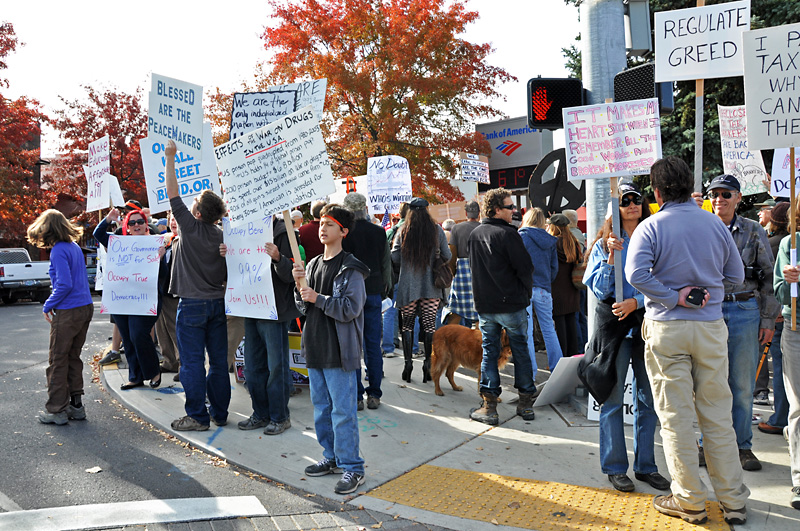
point(525, 406)
point(748, 460)
point(734, 516)
point(373, 402)
point(622, 482)
point(111, 357)
point(253, 423)
point(349, 483)
point(323, 468)
point(276, 428)
point(795, 497)
point(76, 413)
point(59, 418)
point(219, 422)
point(487, 412)
point(187, 423)
point(669, 505)
point(360, 406)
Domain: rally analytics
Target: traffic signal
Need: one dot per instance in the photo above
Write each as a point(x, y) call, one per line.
point(638, 83)
point(548, 96)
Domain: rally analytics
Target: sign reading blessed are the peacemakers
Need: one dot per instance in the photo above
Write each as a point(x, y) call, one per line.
point(272, 169)
point(249, 291)
point(700, 42)
point(176, 113)
point(97, 169)
point(612, 139)
point(779, 185)
point(737, 159)
point(388, 184)
point(772, 86)
point(130, 283)
point(193, 175)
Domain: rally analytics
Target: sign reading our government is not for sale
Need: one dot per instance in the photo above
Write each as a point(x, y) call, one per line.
point(176, 113)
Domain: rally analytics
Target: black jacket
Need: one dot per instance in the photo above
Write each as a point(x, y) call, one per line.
point(368, 243)
point(502, 271)
point(282, 279)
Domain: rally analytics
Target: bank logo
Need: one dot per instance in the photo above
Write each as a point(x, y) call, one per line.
point(508, 147)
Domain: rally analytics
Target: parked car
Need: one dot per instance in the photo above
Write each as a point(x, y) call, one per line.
point(22, 278)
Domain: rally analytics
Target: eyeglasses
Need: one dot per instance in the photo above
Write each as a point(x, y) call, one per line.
point(509, 207)
point(139, 221)
point(725, 195)
point(627, 200)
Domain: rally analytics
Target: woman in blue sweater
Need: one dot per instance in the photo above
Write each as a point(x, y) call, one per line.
point(69, 310)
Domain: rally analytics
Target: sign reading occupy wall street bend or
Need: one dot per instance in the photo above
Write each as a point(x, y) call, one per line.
point(176, 113)
point(193, 175)
point(737, 159)
point(96, 171)
point(781, 172)
point(130, 283)
point(388, 184)
point(700, 42)
point(772, 86)
point(612, 139)
point(249, 291)
point(274, 168)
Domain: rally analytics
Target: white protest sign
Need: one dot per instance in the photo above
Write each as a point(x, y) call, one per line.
point(176, 113)
point(193, 175)
point(779, 186)
point(474, 167)
point(388, 184)
point(130, 283)
point(101, 268)
point(700, 42)
point(272, 169)
point(254, 110)
point(308, 93)
point(249, 291)
point(114, 191)
point(593, 412)
point(737, 159)
point(772, 86)
point(96, 171)
point(612, 139)
point(345, 186)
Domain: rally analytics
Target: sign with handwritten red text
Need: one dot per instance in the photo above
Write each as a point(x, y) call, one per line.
point(781, 171)
point(130, 283)
point(737, 159)
point(612, 139)
point(249, 292)
point(97, 190)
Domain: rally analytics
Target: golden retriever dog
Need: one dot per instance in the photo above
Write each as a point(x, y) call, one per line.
point(457, 346)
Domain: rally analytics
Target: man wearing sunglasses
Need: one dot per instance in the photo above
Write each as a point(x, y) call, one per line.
point(749, 309)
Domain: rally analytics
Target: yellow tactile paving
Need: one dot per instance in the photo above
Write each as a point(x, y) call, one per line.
point(531, 504)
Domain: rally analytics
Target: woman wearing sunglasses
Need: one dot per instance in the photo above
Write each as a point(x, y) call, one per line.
point(140, 350)
point(617, 333)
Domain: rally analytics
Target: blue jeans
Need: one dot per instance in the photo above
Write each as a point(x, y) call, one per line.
point(266, 368)
point(140, 351)
point(613, 454)
point(333, 393)
point(583, 325)
point(389, 329)
point(516, 327)
point(542, 304)
point(781, 416)
point(201, 327)
point(373, 357)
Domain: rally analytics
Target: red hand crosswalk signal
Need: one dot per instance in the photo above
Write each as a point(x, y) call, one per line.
point(548, 96)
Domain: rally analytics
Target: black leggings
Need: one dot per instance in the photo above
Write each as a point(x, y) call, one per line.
point(567, 332)
point(427, 310)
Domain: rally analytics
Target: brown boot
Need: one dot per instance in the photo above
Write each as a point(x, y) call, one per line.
point(525, 406)
point(487, 413)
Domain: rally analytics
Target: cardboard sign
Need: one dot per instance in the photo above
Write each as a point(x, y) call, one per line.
point(474, 167)
point(388, 184)
point(737, 159)
point(612, 139)
point(101, 268)
point(308, 93)
point(193, 175)
point(772, 86)
point(130, 283)
point(779, 186)
point(274, 168)
point(176, 113)
point(96, 171)
point(249, 291)
point(700, 42)
point(254, 110)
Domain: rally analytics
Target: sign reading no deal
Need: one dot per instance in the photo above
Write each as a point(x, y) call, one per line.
point(737, 159)
point(474, 167)
point(700, 42)
point(612, 139)
point(388, 184)
point(97, 170)
point(272, 169)
point(176, 113)
point(772, 86)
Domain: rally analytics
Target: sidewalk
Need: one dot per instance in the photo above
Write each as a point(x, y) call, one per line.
point(426, 461)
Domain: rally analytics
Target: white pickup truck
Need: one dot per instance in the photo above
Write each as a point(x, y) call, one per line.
point(20, 278)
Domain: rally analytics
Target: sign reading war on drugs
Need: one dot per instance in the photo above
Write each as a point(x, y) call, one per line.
point(274, 168)
point(737, 159)
point(130, 283)
point(388, 184)
point(700, 42)
point(612, 139)
point(249, 291)
point(97, 186)
point(176, 113)
point(772, 86)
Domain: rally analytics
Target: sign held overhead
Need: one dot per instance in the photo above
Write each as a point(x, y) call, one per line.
point(176, 113)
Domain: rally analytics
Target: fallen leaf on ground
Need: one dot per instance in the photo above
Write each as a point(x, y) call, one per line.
point(495, 522)
point(94, 470)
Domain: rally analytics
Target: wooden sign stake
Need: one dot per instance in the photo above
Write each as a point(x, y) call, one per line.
point(792, 224)
point(287, 219)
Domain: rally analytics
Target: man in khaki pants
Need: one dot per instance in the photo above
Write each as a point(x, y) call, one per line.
point(681, 248)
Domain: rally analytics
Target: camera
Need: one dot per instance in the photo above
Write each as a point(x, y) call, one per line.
point(695, 297)
point(754, 273)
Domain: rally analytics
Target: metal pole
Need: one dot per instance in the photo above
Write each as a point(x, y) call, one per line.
point(698, 127)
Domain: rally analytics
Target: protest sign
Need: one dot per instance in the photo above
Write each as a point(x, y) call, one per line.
point(388, 184)
point(612, 139)
point(772, 86)
point(254, 110)
point(101, 268)
point(345, 186)
point(193, 175)
point(114, 191)
point(249, 291)
point(737, 159)
point(474, 167)
point(779, 186)
point(96, 171)
point(593, 409)
point(308, 93)
point(274, 168)
point(176, 113)
point(700, 42)
point(130, 283)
